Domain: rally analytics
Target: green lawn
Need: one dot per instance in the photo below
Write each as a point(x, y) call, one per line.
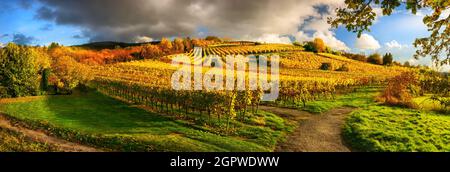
point(360, 97)
point(95, 119)
point(394, 129)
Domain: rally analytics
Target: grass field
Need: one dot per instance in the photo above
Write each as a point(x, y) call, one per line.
point(96, 115)
point(393, 129)
point(360, 97)
point(377, 128)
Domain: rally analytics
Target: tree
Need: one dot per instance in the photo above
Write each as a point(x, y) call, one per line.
point(18, 72)
point(166, 45)
point(69, 74)
point(53, 45)
point(187, 44)
point(178, 45)
point(42, 59)
point(45, 79)
point(359, 57)
point(200, 42)
point(358, 15)
point(375, 59)
point(388, 59)
point(42, 65)
point(407, 64)
point(213, 38)
point(309, 46)
point(319, 45)
point(150, 51)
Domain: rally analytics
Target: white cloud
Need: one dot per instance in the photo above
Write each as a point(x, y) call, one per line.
point(318, 24)
point(394, 45)
point(445, 14)
point(420, 13)
point(379, 13)
point(301, 36)
point(331, 41)
point(321, 30)
point(367, 42)
point(1, 45)
point(414, 61)
point(142, 39)
point(271, 38)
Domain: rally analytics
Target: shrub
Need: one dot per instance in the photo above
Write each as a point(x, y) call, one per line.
point(297, 44)
point(343, 68)
point(358, 57)
point(329, 50)
point(375, 59)
point(326, 66)
point(3, 92)
point(398, 91)
point(338, 53)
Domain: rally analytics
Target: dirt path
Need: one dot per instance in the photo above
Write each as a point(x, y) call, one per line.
point(315, 132)
point(38, 136)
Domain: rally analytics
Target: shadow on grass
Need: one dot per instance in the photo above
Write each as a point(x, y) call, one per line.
point(97, 114)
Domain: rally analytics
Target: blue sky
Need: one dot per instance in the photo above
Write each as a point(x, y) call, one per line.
point(401, 27)
point(394, 33)
point(18, 20)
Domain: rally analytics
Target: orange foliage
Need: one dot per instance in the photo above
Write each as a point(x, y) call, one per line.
point(201, 42)
point(398, 91)
point(93, 57)
point(107, 56)
point(150, 52)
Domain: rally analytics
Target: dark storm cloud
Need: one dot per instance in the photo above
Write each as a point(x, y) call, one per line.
point(26, 4)
point(8, 5)
point(45, 13)
point(78, 37)
point(121, 20)
point(125, 20)
point(22, 39)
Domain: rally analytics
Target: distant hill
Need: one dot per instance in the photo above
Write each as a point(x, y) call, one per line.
point(111, 45)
